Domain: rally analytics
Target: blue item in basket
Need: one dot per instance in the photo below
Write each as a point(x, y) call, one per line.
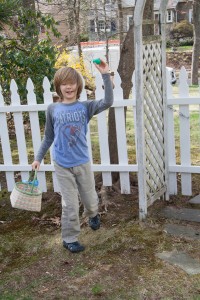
point(35, 183)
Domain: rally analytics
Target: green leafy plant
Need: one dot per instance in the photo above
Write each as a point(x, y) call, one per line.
point(22, 55)
point(183, 29)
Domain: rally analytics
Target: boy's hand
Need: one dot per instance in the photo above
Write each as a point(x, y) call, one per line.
point(102, 67)
point(35, 165)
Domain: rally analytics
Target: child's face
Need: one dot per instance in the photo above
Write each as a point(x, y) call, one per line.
point(69, 91)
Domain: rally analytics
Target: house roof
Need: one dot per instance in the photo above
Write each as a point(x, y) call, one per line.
point(171, 4)
point(128, 3)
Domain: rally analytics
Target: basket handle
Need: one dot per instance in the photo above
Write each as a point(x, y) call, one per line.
point(34, 178)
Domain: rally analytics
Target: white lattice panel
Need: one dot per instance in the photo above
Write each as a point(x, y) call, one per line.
point(153, 121)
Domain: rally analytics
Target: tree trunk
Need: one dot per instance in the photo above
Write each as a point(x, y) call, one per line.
point(97, 20)
point(105, 31)
point(127, 63)
point(196, 46)
point(125, 70)
point(148, 15)
point(120, 14)
point(71, 25)
point(30, 5)
point(77, 25)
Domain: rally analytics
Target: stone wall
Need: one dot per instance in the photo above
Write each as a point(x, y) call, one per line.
point(176, 59)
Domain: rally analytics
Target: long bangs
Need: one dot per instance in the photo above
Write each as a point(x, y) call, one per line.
point(68, 75)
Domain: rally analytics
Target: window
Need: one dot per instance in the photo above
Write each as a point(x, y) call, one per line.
point(92, 26)
point(105, 26)
point(129, 21)
point(113, 25)
point(190, 16)
point(101, 25)
point(169, 16)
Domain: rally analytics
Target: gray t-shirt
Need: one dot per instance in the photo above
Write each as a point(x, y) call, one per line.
point(66, 126)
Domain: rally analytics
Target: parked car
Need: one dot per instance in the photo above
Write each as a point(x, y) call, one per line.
point(172, 75)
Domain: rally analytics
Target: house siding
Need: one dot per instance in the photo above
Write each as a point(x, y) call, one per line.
point(183, 11)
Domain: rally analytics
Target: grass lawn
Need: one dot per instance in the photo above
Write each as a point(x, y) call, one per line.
point(119, 261)
point(180, 49)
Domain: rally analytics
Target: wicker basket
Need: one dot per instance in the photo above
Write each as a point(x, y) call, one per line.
point(26, 195)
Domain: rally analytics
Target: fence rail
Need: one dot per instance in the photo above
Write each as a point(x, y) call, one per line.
point(183, 116)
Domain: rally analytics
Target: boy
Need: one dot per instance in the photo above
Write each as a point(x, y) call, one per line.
point(66, 126)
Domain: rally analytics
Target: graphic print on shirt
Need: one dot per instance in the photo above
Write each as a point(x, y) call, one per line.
point(70, 123)
point(74, 132)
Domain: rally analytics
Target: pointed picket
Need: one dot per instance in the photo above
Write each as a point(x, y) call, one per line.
point(34, 120)
point(83, 97)
point(35, 129)
point(184, 113)
point(19, 129)
point(103, 133)
point(171, 138)
point(48, 99)
point(134, 112)
point(5, 144)
point(121, 136)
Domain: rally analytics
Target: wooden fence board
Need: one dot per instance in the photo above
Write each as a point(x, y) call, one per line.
point(184, 116)
point(19, 129)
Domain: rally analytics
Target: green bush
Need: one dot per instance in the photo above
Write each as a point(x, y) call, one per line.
point(168, 43)
point(179, 43)
point(23, 56)
point(84, 37)
point(183, 29)
point(186, 42)
point(20, 65)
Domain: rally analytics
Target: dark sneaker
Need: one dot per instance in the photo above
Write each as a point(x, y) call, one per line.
point(94, 222)
point(73, 247)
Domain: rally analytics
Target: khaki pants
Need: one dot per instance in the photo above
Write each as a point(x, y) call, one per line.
point(74, 181)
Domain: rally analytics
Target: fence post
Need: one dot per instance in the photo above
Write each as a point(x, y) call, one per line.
point(171, 140)
point(19, 129)
point(185, 132)
point(5, 144)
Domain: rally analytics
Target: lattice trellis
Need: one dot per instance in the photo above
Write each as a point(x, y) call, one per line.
point(153, 121)
point(150, 69)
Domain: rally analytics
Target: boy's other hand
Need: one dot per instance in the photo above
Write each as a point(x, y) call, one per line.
point(102, 67)
point(35, 165)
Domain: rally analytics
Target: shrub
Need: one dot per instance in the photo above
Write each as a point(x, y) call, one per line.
point(168, 43)
point(20, 65)
point(183, 29)
point(66, 58)
point(84, 37)
point(186, 42)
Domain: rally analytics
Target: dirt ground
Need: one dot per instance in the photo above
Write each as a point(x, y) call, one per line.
point(119, 261)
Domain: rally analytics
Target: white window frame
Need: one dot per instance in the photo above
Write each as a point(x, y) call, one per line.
point(190, 16)
point(128, 21)
point(169, 16)
point(103, 27)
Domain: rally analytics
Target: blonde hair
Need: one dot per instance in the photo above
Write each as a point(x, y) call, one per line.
point(67, 75)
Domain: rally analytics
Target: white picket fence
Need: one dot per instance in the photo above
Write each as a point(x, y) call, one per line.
point(185, 106)
point(181, 106)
